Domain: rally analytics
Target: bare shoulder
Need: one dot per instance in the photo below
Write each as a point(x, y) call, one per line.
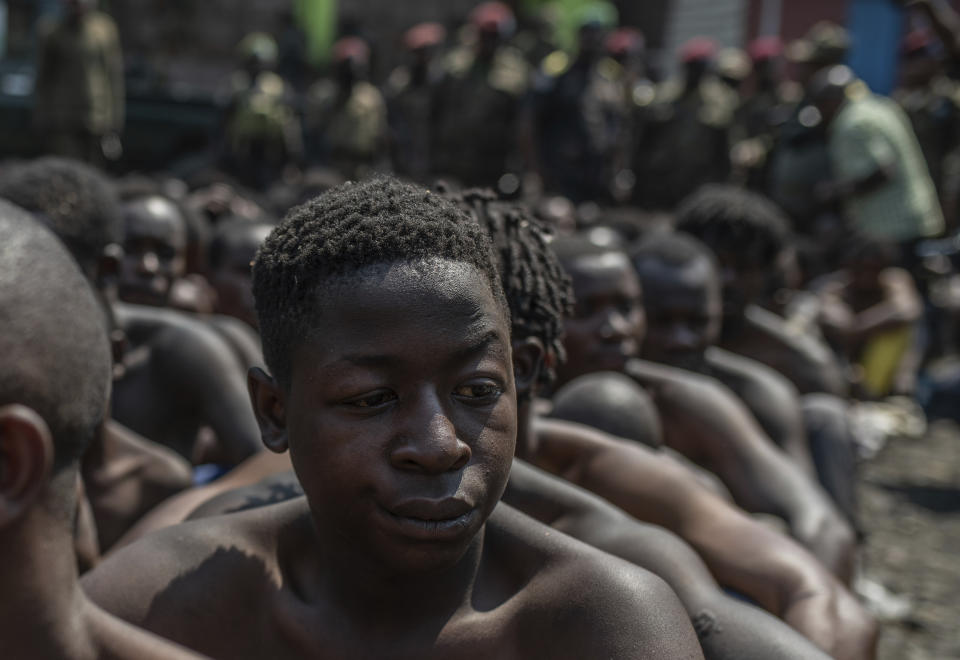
point(580, 602)
point(176, 581)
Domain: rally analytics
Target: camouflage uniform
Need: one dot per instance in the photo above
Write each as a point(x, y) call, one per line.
point(477, 127)
point(800, 159)
point(79, 92)
point(684, 141)
point(262, 130)
point(581, 118)
point(348, 128)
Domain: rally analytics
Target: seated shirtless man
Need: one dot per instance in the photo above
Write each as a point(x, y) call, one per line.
point(232, 249)
point(749, 236)
point(388, 337)
point(703, 420)
point(54, 395)
point(870, 310)
point(760, 563)
point(124, 474)
point(174, 373)
point(683, 305)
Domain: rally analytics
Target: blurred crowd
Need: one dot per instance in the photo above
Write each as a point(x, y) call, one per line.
point(761, 242)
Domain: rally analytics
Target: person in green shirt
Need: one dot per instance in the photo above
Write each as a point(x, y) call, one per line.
point(879, 174)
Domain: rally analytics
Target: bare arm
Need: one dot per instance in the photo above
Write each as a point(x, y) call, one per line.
point(901, 304)
point(726, 628)
point(200, 369)
point(708, 424)
point(744, 555)
point(772, 400)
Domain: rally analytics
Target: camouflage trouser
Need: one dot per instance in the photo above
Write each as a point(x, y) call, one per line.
point(77, 143)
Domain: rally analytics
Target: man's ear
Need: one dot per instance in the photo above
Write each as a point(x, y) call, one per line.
point(108, 265)
point(527, 362)
point(26, 459)
point(269, 408)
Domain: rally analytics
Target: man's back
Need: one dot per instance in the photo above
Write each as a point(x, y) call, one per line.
point(181, 374)
point(263, 594)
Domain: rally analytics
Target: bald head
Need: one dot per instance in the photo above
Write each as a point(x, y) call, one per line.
point(611, 402)
point(53, 349)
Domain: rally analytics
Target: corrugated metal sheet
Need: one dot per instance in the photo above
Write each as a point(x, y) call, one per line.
point(722, 20)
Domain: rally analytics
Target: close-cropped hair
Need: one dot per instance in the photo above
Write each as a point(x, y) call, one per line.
point(74, 200)
point(54, 342)
point(345, 230)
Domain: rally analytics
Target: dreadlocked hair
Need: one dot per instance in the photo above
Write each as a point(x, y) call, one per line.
point(737, 221)
point(537, 288)
point(345, 230)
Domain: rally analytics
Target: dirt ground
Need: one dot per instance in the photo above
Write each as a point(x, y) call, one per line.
point(910, 508)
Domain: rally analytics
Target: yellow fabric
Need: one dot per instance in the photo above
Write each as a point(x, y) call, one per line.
point(881, 358)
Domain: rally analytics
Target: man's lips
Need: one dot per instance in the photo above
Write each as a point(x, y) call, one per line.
point(430, 509)
point(432, 520)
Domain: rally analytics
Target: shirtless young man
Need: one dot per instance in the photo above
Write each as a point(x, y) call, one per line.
point(54, 396)
point(232, 248)
point(702, 419)
point(779, 575)
point(174, 373)
point(870, 310)
point(125, 475)
point(749, 236)
point(388, 336)
point(683, 305)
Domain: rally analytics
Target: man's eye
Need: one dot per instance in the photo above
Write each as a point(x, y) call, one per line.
point(372, 400)
point(481, 392)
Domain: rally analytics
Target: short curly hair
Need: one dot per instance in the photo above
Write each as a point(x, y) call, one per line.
point(537, 288)
point(347, 229)
point(74, 200)
point(735, 221)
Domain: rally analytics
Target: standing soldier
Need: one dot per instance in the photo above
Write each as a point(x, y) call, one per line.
point(686, 132)
point(79, 94)
point(411, 92)
point(347, 117)
point(932, 102)
point(478, 121)
point(262, 132)
point(581, 113)
point(800, 161)
point(764, 110)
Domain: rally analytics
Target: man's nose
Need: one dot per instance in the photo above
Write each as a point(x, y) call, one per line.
point(616, 325)
point(429, 441)
point(148, 263)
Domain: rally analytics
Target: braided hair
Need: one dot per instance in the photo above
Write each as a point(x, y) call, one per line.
point(537, 288)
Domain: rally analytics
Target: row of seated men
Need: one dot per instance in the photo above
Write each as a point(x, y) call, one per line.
point(464, 437)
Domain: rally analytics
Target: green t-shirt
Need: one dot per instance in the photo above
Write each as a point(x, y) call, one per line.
point(871, 132)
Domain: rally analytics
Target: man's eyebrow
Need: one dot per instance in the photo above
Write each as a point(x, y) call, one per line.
point(478, 345)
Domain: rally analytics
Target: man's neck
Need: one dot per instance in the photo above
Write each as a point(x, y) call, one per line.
point(363, 590)
point(38, 572)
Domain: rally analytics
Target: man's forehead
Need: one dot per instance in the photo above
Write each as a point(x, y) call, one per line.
point(154, 215)
point(695, 275)
point(598, 270)
point(411, 293)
